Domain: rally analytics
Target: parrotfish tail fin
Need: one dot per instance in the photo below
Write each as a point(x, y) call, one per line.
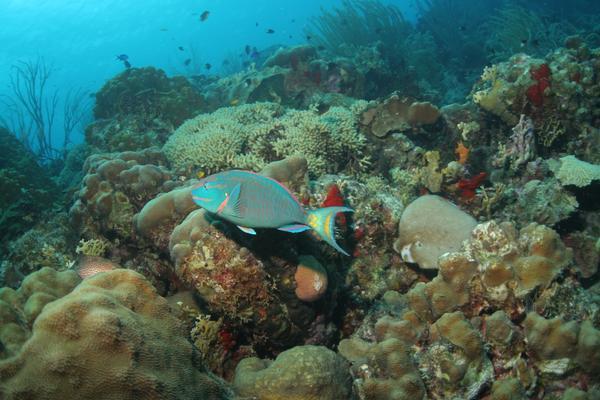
point(322, 221)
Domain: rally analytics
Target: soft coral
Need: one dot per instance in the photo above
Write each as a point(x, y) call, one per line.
point(541, 76)
point(467, 186)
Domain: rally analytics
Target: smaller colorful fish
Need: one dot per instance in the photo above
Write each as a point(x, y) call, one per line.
point(89, 266)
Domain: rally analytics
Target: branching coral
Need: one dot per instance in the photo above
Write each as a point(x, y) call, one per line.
point(252, 135)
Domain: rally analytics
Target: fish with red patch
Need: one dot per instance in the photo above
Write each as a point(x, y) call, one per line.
point(250, 200)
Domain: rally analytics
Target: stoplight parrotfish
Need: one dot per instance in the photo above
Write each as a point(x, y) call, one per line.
point(250, 200)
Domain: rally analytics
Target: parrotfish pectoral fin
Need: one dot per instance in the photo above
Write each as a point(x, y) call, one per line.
point(294, 228)
point(247, 230)
point(322, 221)
point(233, 207)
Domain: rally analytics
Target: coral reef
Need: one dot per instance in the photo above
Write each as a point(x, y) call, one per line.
point(544, 202)
point(573, 171)
point(138, 109)
point(111, 337)
point(149, 93)
point(252, 135)
point(470, 326)
point(300, 373)
point(115, 188)
point(557, 92)
point(396, 114)
point(243, 280)
point(20, 308)
point(474, 242)
point(115, 185)
point(48, 244)
point(27, 190)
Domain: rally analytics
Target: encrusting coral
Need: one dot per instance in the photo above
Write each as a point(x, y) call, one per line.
point(396, 114)
point(111, 337)
point(300, 373)
point(116, 185)
point(20, 308)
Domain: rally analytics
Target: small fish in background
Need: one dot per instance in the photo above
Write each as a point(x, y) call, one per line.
point(204, 15)
point(89, 266)
point(250, 200)
point(180, 48)
point(225, 63)
point(207, 66)
point(255, 54)
point(125, 59)
point(187, 62)
point(270, 31)
point(234, 102)
point(163, 29)
point(247, 49)
point(308, 37)
point(256, 24)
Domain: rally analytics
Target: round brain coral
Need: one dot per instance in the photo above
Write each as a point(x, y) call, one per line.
point(301, 373)
point(112, 337)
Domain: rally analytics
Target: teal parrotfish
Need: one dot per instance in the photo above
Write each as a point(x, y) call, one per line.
point(250, 200)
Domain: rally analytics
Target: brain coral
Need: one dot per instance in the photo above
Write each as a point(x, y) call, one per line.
point(19, 308)
point(496, 269)
point(431, 226)
point(115, 186)
point(112, 337)
point(301, 373)
point(251, 135)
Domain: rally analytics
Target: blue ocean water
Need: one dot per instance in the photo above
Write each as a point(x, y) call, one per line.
point(80, 39)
